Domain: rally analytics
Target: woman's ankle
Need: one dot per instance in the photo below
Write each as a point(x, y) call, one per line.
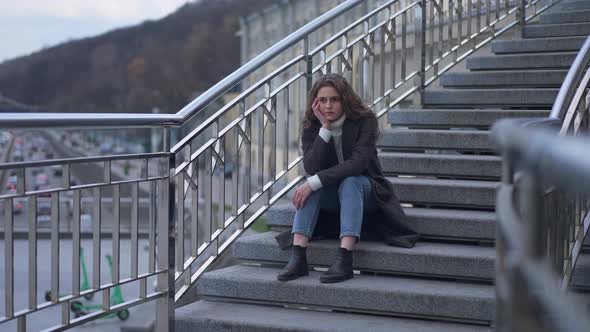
point(300, 240)
point(347, 242)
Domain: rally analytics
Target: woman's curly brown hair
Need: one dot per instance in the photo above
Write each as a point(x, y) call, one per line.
point(352, 104)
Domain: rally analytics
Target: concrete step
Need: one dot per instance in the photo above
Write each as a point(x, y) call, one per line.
point(431, 259)
point(538, 45)
point(460, 166)
point(440, 192)
point(451, 224)
point(384, 295)
point(561, 60)
point(573, 5)
point(205, 316)
point(542, 98)
point(431, 139)
point(556, 30)
point(457, 117)
point(581, 275)
point(505, 78)
point(458, 225)
point(565, 17)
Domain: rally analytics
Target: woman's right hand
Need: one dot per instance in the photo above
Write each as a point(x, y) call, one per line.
point(315, 106)
point(301, 195)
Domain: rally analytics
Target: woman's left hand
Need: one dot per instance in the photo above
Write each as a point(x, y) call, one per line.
point(301, 195)
point(318, 114)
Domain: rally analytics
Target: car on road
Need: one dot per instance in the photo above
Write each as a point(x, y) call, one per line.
point(57, 170)
point(10, 188)
point(41, 179)
point(44, 188)
point(44, 208)
point(86, 222)
point(105, 147)
point(17, 207)
point(43, 221)
point(4, 137)
point(17, 156)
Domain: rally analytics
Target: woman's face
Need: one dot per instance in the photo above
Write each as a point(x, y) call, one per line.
point(330, 103)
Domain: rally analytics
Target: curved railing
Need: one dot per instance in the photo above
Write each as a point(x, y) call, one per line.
point(239, 154)
point(543, 205)
point(542, 219)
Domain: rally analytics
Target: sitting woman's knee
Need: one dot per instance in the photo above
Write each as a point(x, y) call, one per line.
point(351, 183)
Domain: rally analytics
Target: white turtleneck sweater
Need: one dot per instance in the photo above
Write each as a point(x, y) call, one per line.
point(335, 131)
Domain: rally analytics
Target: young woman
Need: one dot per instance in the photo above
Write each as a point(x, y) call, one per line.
point(338, 140)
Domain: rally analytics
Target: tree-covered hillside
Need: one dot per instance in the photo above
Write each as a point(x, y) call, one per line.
point(155, 64)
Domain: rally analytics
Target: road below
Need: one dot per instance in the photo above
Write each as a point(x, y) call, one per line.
point(50, 316)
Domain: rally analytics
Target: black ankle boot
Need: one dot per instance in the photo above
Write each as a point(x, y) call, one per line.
point(341, 269)
point(297, 266)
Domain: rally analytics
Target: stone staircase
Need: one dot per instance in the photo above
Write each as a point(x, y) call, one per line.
point(443, 167)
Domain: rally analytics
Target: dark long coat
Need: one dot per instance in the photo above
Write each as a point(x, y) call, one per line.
point(359, 137)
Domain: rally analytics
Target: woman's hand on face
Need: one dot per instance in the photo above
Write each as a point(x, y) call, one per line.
point(315, 106)
point(301, 195)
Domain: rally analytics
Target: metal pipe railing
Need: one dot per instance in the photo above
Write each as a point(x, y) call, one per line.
point(541, 231)
point(551, 171)
point(571, 82)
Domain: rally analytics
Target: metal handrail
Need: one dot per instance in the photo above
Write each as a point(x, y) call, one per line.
point(125, 120)
point(538, 247)
point(571, 82)
point(551, 155)
point(525, 264)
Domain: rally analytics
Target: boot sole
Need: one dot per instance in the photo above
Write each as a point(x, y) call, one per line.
point(333, 280)
point(291, 277)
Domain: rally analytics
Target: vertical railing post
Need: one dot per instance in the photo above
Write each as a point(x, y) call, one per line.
point(244, 35)
point(522, 315)
point(502, 284)
point(420, 39)
point(531, 202)
point(521, 18)
point(171, 226)
point(308, 67)
point(166, 240)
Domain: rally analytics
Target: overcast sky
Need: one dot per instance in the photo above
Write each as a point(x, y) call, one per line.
point(29, 25)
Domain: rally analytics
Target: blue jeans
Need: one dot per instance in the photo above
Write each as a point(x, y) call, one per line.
point(352, 198)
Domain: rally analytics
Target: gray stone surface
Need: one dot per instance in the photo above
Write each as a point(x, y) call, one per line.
point(280, 215)
point(558, 44)
point(559, 60)
point(581, 276)
point(435, 139)
point(573, 5)
point(491, 98)
point(445, 192)
point(460, 166)
point(426, 258)
point(557, 30)
point(565, 17)
point(431, 223)
point(453, 224)
point(457, 117)
point(505, 78)
point(387, 295)
point(207, 316)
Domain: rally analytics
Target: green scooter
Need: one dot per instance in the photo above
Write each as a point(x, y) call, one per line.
point(84, 282)
point(79, 309)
